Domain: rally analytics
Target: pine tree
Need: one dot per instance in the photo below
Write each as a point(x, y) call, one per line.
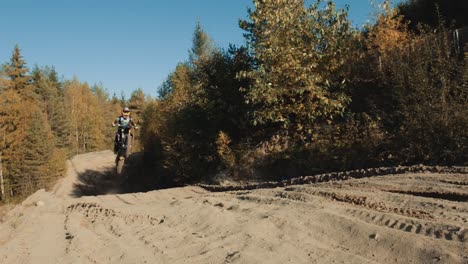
point(137, 101)
point(25, 129)
point(453, 12)
point(122, 100)
point(198, 100)
point(182, 86)
point(201, 44)
point(50, 92)
point(38, 150)
point(18, 79)
point(165, 89)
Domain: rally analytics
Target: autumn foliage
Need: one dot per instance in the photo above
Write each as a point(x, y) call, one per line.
point(308, 94)
point(44, 121)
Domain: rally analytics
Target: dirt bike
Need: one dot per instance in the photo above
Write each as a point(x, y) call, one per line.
point(124, 147)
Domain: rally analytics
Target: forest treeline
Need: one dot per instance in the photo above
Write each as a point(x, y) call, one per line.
point(309, 93)
point(45, 119)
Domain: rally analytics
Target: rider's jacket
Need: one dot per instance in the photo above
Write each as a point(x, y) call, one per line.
point(124, 122)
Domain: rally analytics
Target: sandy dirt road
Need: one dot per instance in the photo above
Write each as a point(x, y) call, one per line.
point(400, 218)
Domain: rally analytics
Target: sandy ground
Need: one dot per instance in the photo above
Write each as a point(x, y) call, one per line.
point(402, 218)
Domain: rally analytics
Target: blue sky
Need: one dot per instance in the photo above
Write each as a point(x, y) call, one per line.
point(122, 44)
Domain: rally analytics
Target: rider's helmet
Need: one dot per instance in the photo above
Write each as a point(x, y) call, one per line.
point(126, 112)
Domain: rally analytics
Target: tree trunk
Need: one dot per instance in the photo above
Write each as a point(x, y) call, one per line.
point(2, 186)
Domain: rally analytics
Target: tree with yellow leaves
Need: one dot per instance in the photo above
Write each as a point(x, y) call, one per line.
point(27, 141)
point(85, 117)
point(299, 52)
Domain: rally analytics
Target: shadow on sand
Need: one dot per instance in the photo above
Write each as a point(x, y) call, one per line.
point(106, 181)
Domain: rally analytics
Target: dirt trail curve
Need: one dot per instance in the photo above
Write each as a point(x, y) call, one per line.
point(397, 218)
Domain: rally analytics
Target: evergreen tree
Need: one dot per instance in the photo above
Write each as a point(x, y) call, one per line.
point(201, 44)
point(14, 122)
point(199, 100)
point(430, 12)
point(50, 92)
point(16, 100)
point(38, 150)
point(220, 95)
point(114, 99)
point(18, 78)
point(182, 86)
point(165, 89)
point(122, 100)
point(25, 128)
point(137, 101)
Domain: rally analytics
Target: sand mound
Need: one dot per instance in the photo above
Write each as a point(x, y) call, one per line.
point(404, 216)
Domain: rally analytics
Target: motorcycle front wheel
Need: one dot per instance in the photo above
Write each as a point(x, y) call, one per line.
point(129, 146)
point(119, 165)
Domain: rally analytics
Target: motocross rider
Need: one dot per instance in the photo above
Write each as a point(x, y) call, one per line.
point(123, 121)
